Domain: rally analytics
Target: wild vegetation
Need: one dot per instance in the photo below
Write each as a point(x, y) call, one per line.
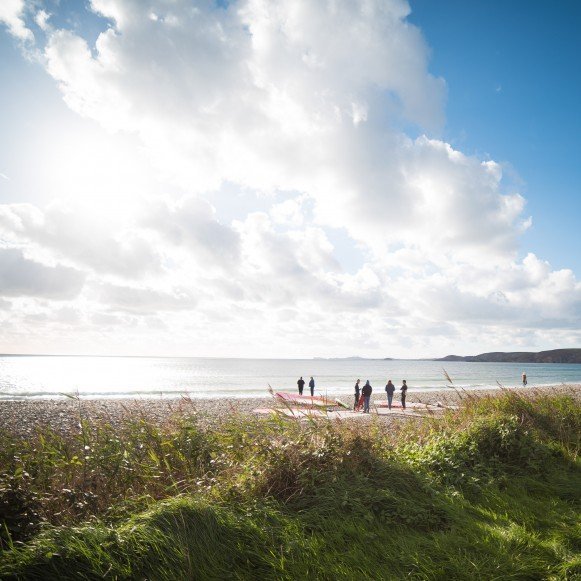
point(491, 491)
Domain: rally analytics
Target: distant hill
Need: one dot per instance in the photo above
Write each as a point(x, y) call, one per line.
point(553, 356)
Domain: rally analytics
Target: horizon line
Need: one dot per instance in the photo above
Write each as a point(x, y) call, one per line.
point(312, 358)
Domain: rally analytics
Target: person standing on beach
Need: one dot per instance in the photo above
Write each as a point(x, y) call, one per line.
point(357, 392)
point(524, 379)
point(404, 390)
point(312, 386)
point(301, 384)
point(366, 393)
point(389, 389)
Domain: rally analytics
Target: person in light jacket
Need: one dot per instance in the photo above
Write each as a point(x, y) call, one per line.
point(357, 394)
point(312, 386)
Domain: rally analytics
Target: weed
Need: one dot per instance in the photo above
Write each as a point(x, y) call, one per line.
point(488, 492)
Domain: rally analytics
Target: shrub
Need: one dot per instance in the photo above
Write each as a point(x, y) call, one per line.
point(490, 447)
point(19, 512)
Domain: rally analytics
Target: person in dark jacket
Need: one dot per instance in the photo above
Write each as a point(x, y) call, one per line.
point(312, 386)
point(357, 393)
point(404, 390)
point(366, 393)
point(389, 389)
point(301, 384)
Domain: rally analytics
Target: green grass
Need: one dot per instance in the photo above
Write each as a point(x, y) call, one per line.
point(489, 492)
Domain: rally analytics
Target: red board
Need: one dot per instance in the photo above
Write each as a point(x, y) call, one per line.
point(312, 400)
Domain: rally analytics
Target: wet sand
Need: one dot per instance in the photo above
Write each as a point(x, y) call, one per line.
point(22, 417)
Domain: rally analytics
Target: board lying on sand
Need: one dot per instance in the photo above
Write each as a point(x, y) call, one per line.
point(415, 406)
point(383, 404)
point(304, 413)
point(310, 400)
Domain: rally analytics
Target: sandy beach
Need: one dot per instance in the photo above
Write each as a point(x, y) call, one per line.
point(22, 417)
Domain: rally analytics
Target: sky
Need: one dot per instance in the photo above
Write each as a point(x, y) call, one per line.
point(252, 178)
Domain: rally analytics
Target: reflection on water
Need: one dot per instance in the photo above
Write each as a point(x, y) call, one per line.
point(47, 376)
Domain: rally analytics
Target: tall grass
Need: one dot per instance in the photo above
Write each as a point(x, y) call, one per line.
point(491, 491)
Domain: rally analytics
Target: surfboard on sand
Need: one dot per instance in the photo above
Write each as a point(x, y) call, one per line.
point(416, 406)
point(310, 400)
point(383, 404)
point(302, 413)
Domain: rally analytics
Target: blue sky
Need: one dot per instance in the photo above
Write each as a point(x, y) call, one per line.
point(514, 89)
point(321, 179)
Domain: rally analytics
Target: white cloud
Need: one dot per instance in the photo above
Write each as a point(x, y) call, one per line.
point(191, 224)
point(302, 104)
point(41, 18)
point(233, 94)
point(20, 276)
point(296, 96)
point(82, 237)
point(12, 15)
point(144, 300)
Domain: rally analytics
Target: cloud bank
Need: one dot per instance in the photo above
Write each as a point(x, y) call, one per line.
point(309, 118)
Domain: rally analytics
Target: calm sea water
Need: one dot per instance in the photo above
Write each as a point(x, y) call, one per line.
point(23, 377)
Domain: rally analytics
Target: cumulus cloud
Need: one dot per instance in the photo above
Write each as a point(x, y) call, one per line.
point(191, 223)
point(298, 268)
point(307, 106)
point(296, 96)
point(514, 294)
point(20, 276)
point(144, 300)
point(12, 15)
point(82, 237)
point(257, 78)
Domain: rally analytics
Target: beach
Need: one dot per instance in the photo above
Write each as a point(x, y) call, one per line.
point(23, 417)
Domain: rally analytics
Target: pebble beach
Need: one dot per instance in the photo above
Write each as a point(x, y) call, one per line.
point(22, 417)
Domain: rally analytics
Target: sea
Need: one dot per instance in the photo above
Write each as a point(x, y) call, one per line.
point(44, 376)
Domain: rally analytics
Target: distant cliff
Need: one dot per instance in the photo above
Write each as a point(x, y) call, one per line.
point(553, 356)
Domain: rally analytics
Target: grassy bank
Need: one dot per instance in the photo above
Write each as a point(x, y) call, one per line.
point(489, 492)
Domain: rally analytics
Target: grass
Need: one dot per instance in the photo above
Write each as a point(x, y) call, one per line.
point(488, 492)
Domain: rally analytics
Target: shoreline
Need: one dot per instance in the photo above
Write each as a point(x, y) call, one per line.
point(241, 396)
point(23, 417)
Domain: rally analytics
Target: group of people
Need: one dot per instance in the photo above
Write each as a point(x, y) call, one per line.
point(301, 384)
point(366, 391)
point(363, 392)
